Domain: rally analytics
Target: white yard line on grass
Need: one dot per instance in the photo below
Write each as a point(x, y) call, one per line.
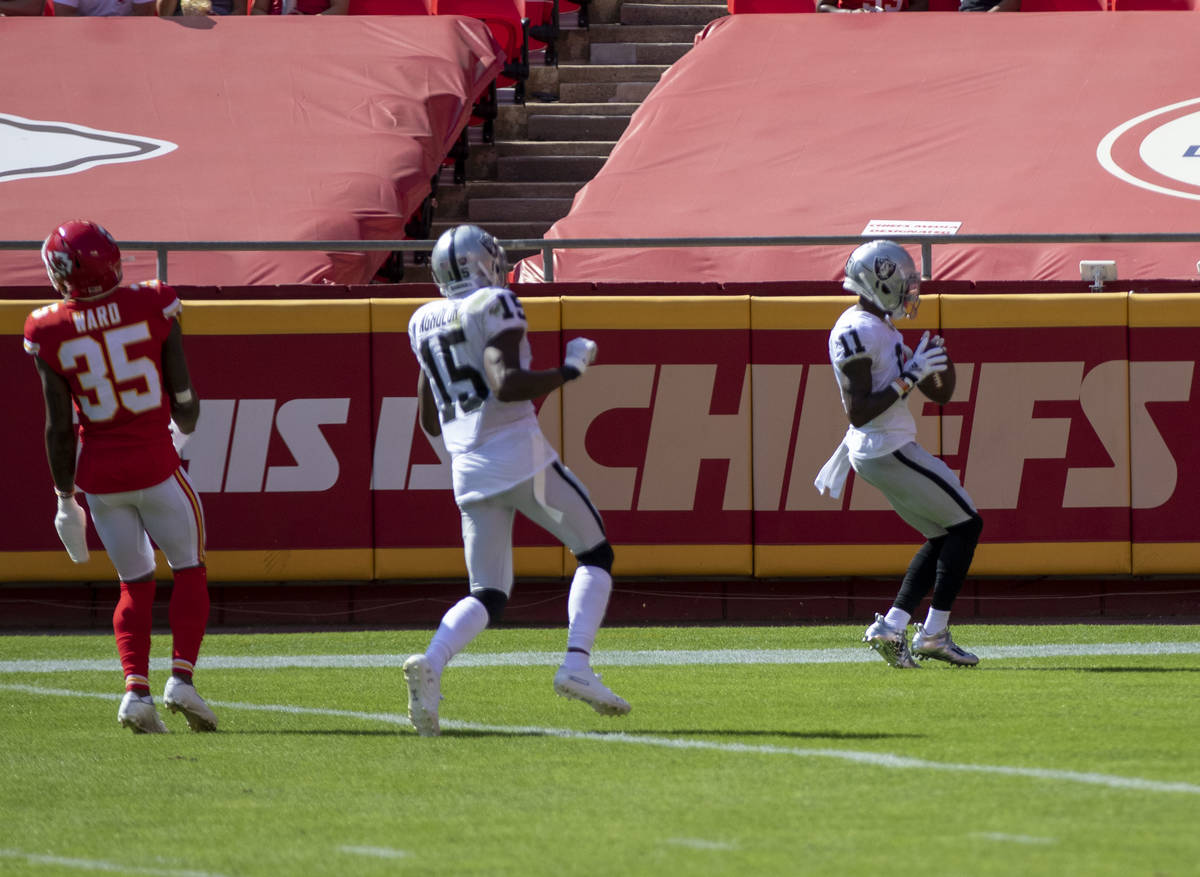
point(99, 865)
point(616, 658)
point(375, 852)
point(873, 759)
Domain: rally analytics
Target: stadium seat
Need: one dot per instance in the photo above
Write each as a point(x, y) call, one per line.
point(390, 7)
point(510, 26)
point(543, 27)
point(768, 6)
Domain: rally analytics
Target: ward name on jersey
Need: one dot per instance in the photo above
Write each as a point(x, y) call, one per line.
point(493, 445)
point(109, 351)
point(858, 334)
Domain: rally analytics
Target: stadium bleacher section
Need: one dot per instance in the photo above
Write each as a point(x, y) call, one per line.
point(294, 128)
point(789, 125)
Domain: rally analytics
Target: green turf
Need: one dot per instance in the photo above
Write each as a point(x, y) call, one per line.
point(723, 769)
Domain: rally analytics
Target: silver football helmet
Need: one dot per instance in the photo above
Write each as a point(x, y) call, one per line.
point(467, 258)
point(884, 274)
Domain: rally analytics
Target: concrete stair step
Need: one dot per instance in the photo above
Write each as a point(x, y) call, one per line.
point(554, 147)
point(565, 127)
point(454, 202)
point(506, 231)
point(637, 53)
point(518, 209)
point(643, 33)
point(547, 168)
point(580, 109)
point(670, 13)
point(618, 92)
point(580, 73)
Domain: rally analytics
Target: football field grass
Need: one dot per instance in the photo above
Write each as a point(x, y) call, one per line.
point(1070, 750)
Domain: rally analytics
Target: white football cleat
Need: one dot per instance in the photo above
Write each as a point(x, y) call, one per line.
point(137, 713)
point(181, 697)
point(424, 694)
point(586, 686)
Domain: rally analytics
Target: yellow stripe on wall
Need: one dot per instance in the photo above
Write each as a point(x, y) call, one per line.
point(13, 314)
point(822, 311)
point(1163, 310)
point(448, 563)
point(1051, 558)
point(656, 312)
point(309, 317)
point(686, 560)
point(1166, 558)
point(783, 561)
point(1034, 310)
point(393, 314)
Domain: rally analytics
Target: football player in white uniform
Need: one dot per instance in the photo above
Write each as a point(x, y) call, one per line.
point(875, 374)
point(476, 390)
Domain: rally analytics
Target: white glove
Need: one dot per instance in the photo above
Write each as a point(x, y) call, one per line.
point(581, 352)
point(178, 437)
point(924, 362)
point(71, 524)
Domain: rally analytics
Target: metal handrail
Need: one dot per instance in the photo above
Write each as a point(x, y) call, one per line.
point(547, 246)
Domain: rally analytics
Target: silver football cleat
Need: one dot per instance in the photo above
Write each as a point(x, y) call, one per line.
point(941, 647)
point(891, 643)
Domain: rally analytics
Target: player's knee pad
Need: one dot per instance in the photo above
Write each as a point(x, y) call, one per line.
point(493, 601)
point(601, 556)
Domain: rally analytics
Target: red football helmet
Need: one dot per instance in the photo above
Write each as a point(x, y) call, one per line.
point(82, 259)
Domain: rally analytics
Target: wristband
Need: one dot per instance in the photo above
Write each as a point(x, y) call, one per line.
point(184, 396)
point(902, 387)
point(64, 494)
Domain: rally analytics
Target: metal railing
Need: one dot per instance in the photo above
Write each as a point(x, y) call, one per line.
point(547, 247)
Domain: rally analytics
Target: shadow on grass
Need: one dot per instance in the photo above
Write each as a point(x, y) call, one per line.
point(1092, 669)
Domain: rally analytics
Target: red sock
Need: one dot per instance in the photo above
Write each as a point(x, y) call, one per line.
point(132, 620)
point(188, 615)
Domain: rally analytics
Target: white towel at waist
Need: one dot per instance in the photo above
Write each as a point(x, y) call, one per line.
point(833, 474)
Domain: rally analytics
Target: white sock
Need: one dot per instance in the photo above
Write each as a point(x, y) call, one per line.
point(586, 604)
point(936, 621)
point(464, 621)
point(897, 618)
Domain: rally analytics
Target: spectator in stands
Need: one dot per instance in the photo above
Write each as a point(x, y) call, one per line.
point(113, 356)
point(872, 6)
point(990, 6)
point(101, 8)
point(300, 7)
point(476, 390)
point(875, 373)
point(22, 7)
point(201, 7)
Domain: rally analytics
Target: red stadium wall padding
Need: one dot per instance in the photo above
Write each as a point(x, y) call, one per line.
point(698, 431)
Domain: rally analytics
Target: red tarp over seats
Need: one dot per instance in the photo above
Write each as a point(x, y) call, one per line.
point(794, 125)
point(285, 128)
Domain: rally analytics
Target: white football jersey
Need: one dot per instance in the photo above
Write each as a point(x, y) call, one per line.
point(858, 334)
point(494, 445)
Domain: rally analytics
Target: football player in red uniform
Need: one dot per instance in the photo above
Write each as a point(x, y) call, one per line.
point(112, 355)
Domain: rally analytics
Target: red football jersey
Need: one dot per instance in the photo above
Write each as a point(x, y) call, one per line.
point(109, 350)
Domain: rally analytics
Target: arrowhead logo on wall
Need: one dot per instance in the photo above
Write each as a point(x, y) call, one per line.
point(40, 148)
